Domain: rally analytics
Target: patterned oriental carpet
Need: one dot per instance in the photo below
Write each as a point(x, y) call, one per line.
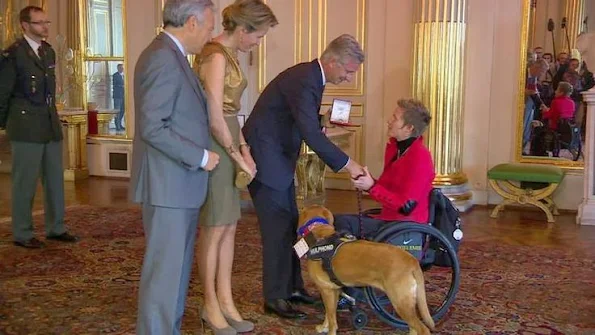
point(91, 287)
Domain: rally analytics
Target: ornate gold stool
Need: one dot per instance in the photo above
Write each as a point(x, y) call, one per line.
point(502, 176)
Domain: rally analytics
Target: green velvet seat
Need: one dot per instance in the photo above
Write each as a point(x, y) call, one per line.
point(527, 172)
point(503, 177)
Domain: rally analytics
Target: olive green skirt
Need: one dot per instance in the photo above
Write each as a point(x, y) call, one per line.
point(222, 205)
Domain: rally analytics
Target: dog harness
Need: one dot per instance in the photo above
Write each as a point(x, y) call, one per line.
point(325, 249)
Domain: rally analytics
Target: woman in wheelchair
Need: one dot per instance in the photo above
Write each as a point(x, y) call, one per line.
point(562, 107)
point(558, 130)
point(403, 189)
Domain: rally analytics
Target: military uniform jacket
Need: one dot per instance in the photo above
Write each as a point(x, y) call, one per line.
point(27, 93)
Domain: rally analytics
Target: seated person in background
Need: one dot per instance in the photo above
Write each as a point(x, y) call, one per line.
point(562, 107)
point(403, 189)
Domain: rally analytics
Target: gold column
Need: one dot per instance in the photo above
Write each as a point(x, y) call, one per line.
point(74, 42)
point(103, 121)
point(574, 12)
point(438, 65)
point(75, 142)
point(6, 21)
point(532, 16)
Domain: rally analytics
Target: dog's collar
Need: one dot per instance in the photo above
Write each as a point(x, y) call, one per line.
point(308, 226)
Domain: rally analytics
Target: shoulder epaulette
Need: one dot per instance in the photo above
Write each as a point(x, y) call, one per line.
point(12, 47)
point(8, 52)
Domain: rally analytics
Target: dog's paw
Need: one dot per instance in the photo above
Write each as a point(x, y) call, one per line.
point(322, 329)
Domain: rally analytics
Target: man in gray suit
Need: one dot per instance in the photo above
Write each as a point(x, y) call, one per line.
point(170, 161)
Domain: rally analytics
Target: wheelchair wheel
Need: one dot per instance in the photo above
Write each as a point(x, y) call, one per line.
point(359, 319)
point(439, 298)
point(576, 152)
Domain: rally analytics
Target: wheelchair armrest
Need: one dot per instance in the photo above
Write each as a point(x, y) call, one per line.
point(371, 211)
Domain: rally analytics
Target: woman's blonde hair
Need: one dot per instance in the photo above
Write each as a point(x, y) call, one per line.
point(250, 14)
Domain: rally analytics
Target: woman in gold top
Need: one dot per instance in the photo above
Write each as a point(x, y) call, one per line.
point(245, 22)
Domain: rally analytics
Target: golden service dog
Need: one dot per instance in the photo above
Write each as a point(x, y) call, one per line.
point(364, 263)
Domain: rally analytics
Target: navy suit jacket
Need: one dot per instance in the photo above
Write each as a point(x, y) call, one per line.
point(118, 86)
point(286, 113)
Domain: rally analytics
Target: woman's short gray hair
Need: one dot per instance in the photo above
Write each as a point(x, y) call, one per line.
point(177, 12)
point(416, 114)
point(565, 88)
point(343, 47)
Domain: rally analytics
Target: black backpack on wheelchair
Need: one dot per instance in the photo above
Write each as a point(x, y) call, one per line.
point(445, 217)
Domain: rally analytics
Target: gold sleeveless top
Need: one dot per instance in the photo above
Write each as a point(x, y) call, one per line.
point(234, 82)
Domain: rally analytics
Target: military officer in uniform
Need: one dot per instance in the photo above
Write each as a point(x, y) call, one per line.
point(28, 112)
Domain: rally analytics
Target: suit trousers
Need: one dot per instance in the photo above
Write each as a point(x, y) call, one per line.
point(29, 162)
point(278, 215)
point(170, 234)
point(528, 117)
point(119, 106)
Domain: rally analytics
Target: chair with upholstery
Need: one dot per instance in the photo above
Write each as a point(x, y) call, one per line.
point(526, 184)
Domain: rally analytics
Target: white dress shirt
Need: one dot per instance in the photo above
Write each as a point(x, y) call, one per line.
point(34, 45)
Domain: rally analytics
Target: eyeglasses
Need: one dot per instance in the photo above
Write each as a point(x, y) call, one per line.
point(41, 23)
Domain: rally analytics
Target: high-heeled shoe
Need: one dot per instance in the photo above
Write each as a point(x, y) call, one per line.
point(243, 326)
point(217, 331)
point(243, 179)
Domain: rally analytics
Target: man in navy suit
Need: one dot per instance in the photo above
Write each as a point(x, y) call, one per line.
point(118, 95)
point(286, 113)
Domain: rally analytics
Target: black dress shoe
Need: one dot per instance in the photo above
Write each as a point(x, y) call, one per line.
point(301, 296)
point(65, 237)
point(283, 308)
point(32, 243)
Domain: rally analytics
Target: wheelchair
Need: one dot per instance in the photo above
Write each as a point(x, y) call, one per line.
point(568, 136)
point(439, 298)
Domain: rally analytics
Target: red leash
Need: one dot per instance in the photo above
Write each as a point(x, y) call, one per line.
point(360, 209)
point(360, 214)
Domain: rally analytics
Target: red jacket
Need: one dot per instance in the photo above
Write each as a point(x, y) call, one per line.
point(409, 177)
point(561, 108)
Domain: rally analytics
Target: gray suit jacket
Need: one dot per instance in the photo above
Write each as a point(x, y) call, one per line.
point(172, 129)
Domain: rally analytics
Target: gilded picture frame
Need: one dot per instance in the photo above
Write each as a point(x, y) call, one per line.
point(527, 31)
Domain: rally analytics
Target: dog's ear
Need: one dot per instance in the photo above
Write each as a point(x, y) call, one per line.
point(305, 214)
point(301, 217)
point(328, 215)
